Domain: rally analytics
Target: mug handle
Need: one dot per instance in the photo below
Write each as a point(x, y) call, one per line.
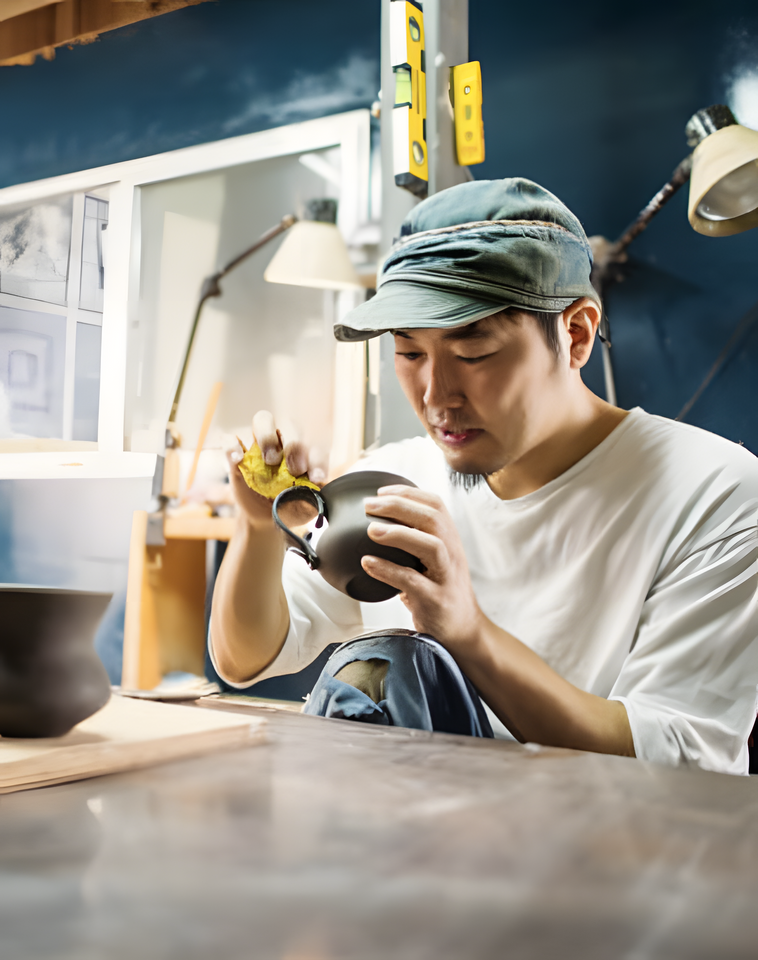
point(302, 548)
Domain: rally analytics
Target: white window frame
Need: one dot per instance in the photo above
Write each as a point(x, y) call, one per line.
point(349, 131)
point(72, 312)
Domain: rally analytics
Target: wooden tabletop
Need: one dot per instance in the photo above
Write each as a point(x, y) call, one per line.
point(343, 840)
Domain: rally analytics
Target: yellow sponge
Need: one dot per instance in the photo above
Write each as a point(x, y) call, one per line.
point(266, 480)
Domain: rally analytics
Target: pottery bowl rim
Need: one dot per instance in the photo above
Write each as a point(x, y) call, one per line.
point(358, 478)
point(36, 588)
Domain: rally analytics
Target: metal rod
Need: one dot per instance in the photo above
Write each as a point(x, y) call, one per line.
point(185, 363)
point(605, 272)
point(211, 288)
point(679, 177)
point(284, 224)
point(608, 377)
point(720, 362)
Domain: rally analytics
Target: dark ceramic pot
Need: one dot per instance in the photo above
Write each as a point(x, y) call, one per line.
point(50, 676)
point(346, 540)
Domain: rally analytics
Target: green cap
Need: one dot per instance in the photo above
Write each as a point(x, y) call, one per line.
point(473, 250)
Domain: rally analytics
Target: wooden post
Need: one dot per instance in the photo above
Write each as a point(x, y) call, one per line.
point(130, 670)
point(164, 626)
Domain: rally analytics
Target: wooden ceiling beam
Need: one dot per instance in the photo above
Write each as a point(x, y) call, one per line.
point(38, 31)
point(14, 8)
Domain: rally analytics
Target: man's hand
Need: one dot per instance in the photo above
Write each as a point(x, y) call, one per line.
point(255, 508)
point(249, 617)
point(441, 599)
point(531, 699)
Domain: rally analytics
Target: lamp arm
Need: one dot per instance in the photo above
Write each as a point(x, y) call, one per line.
point(679, 177)
point(211, 288)
point(608, 256)
point(284, 224)
point(603, 274)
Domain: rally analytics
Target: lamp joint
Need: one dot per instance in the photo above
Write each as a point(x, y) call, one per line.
point(708, 121)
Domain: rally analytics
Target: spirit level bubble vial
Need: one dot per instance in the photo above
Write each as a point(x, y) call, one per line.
point(409, 152)
point(466, 97)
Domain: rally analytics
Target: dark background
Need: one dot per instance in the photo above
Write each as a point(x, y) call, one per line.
point(588, 99)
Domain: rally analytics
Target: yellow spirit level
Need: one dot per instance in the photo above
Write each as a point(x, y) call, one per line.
point(466, 98)
point(409, 152)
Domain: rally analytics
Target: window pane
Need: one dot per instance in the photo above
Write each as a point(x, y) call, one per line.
point(93, 268)
point(86, 381)
point(32, 351)
point(34, 250)
point(271, 344)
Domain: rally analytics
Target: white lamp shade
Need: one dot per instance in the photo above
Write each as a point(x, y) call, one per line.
point(313, 254)
point(724, 183)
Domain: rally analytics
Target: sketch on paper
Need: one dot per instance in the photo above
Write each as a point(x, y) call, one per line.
point(34, 251)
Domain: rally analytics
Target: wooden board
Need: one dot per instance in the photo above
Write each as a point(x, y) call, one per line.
point(223, 701)
point(124, 735)
point(199, 528)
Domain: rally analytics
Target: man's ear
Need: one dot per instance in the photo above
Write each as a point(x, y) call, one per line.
point(580, 323)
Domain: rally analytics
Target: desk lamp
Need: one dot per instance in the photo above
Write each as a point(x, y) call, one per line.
point(723, 175)
point(312, 255)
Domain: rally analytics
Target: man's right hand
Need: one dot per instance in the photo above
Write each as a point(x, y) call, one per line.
point(249, 616)
point(255, 508)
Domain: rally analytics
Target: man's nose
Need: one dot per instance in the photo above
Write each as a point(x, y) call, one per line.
point(442, 391)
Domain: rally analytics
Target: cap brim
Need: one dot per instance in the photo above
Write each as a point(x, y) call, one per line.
point(411, 306)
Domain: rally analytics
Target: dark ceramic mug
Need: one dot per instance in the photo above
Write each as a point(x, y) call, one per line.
point(346, 540)
point(50, 676)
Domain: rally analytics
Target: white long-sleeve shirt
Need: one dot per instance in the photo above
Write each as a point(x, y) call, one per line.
point(633, 575)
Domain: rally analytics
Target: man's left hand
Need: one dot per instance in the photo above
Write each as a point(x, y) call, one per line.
point(531, 699)
point(441, 599)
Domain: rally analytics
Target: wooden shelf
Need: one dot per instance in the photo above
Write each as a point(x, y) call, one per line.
point(164, 628)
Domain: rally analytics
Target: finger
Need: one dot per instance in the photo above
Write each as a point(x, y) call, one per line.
point(430, 550)
point(316, 466)
point(411, 513)
point(233, 458)
point(296, 456)
point(404, 579)
point(267, 437)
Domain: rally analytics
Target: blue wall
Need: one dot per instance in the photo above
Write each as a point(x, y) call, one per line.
point(588, 99)
point(200, 74)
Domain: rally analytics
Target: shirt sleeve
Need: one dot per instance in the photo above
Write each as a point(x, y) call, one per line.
point(319, 615)
point(689, 682)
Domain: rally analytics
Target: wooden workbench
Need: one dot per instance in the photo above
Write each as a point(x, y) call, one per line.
point(342, 840)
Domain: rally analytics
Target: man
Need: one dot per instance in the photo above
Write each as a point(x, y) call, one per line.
point(592, 571)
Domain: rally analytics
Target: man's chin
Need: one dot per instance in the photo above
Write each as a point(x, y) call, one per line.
point(480, 466)
point(466, 481)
